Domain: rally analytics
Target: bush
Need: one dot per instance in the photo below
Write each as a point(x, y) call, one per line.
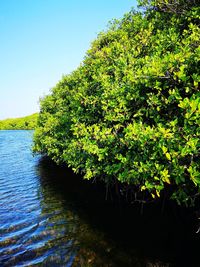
point(131, 111)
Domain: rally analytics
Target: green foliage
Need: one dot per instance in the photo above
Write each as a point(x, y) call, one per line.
point(131, 111)
point(169, 6)
point(25, 123)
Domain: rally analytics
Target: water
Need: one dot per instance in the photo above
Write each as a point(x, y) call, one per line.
point(50, 217)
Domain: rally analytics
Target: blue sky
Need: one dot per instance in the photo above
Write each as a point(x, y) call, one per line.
point(40, 40)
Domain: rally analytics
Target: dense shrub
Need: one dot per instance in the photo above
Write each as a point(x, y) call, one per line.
point(131, 111)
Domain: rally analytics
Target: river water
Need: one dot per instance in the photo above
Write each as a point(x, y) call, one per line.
point(50, 217)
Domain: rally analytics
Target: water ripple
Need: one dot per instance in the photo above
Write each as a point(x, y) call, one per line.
point(31, 230)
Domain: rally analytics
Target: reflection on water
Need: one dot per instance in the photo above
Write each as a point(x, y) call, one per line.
point(50, 217)
point(66, 200)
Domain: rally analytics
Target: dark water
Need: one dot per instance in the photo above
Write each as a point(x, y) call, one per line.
point(50, 217)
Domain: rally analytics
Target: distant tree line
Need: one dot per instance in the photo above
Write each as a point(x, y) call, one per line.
point(130, 114)
point(24, 123)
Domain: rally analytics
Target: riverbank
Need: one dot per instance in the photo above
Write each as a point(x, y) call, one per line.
point(51, 216)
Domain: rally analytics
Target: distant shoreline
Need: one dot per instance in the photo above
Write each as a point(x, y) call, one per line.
point(22, 123)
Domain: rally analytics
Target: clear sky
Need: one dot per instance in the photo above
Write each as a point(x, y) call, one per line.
point(40, 40)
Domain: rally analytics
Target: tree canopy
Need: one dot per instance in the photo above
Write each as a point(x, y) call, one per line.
point(131, 111)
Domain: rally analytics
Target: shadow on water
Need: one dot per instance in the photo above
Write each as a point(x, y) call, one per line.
point(86, 217)
point(104, 233)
